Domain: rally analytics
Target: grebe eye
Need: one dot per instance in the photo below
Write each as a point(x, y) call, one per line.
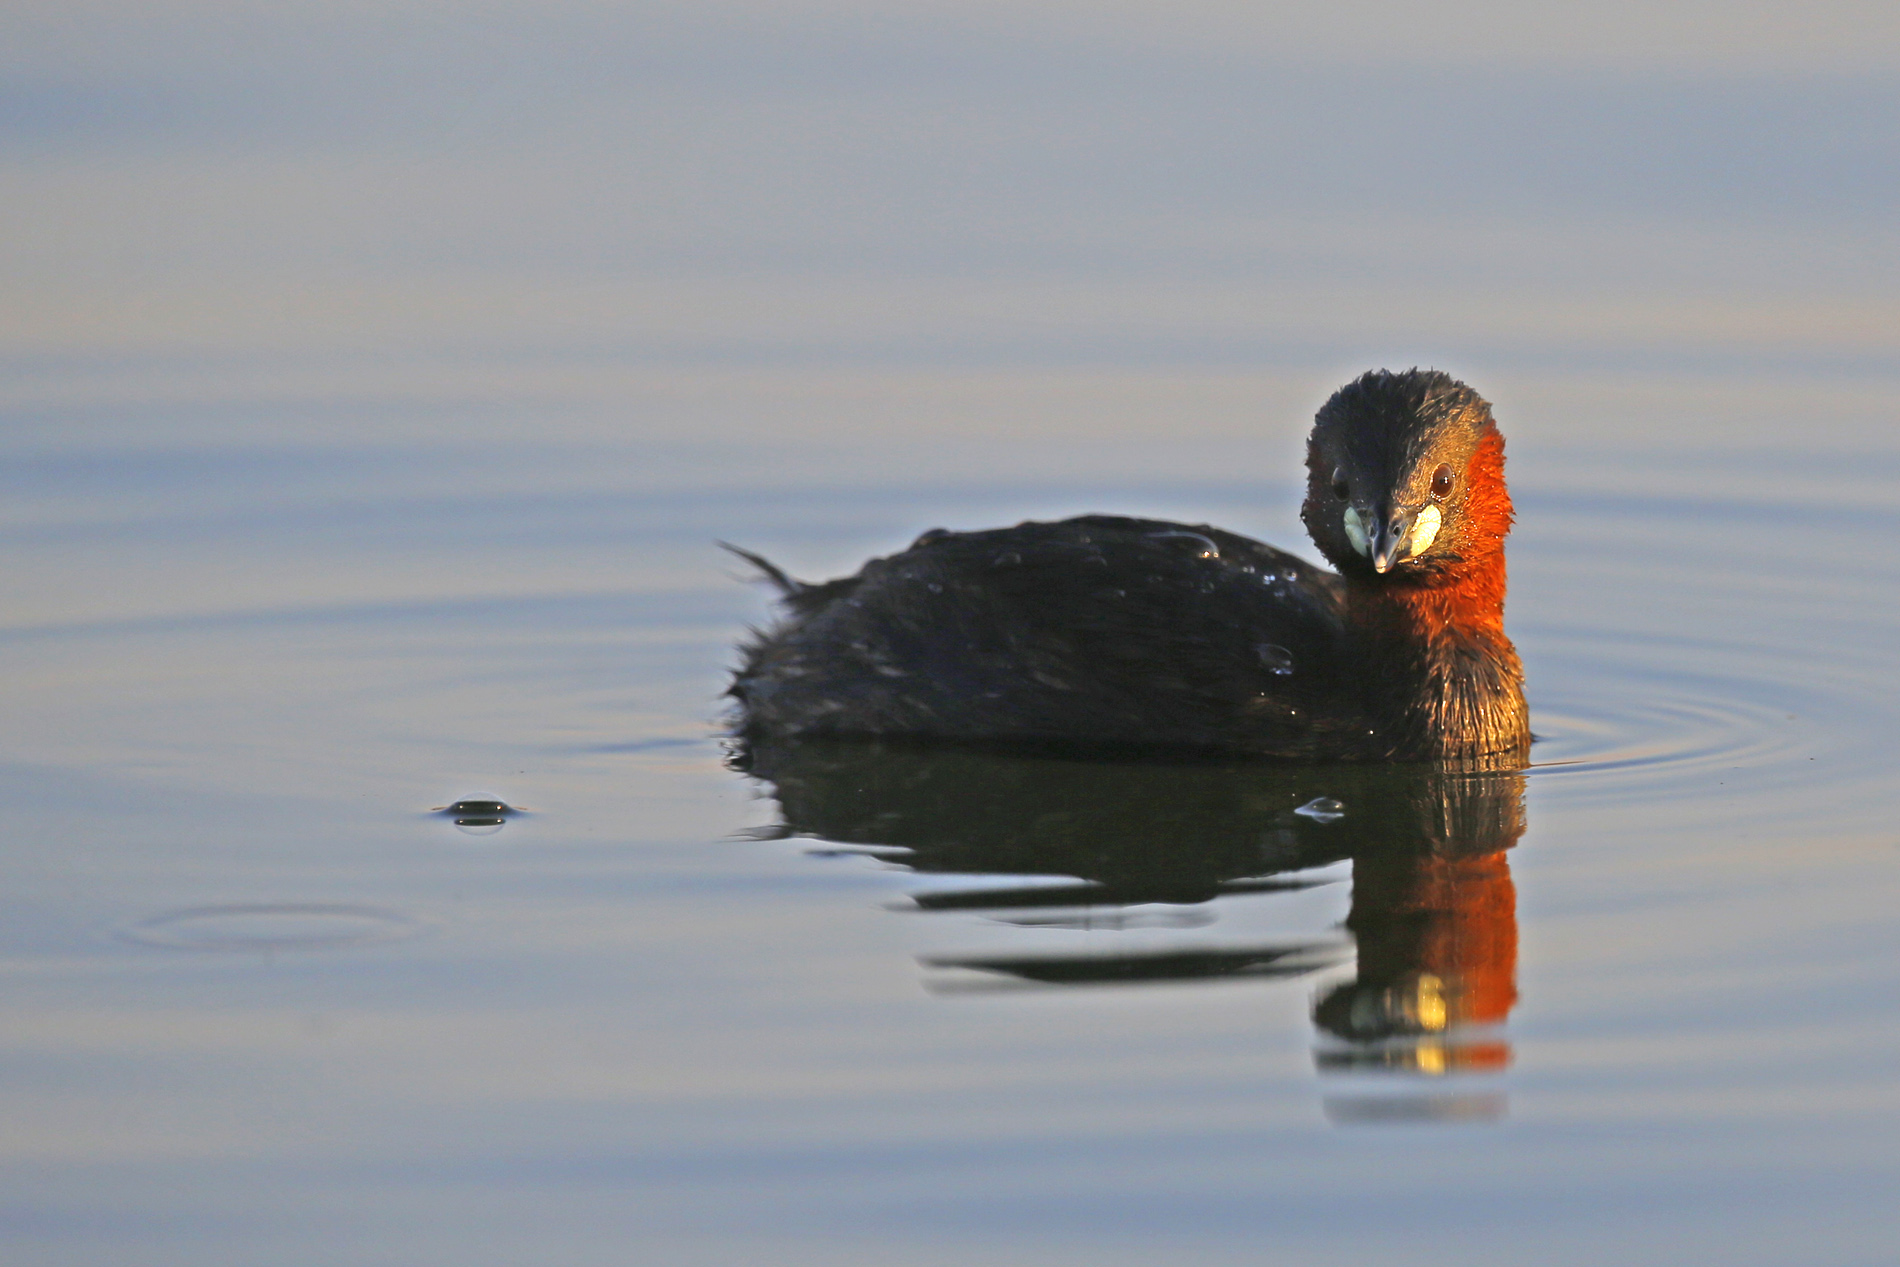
point(1441, 482)
point(1341, 489)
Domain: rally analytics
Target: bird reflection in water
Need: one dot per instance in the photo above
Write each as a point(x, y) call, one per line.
point(1433, 909)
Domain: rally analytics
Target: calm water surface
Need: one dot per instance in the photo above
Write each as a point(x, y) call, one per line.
point(262, 1004)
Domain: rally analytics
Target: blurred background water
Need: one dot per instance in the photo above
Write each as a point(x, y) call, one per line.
point(378, 377)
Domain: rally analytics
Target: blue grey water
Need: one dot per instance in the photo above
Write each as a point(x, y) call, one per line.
point(379, 378)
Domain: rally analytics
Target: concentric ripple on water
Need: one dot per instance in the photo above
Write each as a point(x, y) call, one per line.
point(278, 926)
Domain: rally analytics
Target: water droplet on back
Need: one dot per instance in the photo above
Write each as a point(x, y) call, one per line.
point(1323, 809)
point(1208, 549)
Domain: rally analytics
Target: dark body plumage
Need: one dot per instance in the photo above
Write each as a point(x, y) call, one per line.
point(1133, 633)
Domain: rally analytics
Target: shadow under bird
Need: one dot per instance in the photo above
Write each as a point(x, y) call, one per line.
point(1433, 908)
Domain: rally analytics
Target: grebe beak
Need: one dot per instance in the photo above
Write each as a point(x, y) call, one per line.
point(1386, 542)
point(1402, 537)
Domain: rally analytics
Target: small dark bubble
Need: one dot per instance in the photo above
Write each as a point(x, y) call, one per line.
point(479, 815)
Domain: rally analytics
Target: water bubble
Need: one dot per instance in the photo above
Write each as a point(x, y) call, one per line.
point(1323, 809)
point(479, 806)
point(478, 815)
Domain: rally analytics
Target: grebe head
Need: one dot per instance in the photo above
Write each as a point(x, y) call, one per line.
point(1405, 478)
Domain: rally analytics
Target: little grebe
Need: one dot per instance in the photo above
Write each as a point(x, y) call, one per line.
point(1104, 631)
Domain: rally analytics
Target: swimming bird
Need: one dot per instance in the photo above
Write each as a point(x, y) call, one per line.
point(1105, 632)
